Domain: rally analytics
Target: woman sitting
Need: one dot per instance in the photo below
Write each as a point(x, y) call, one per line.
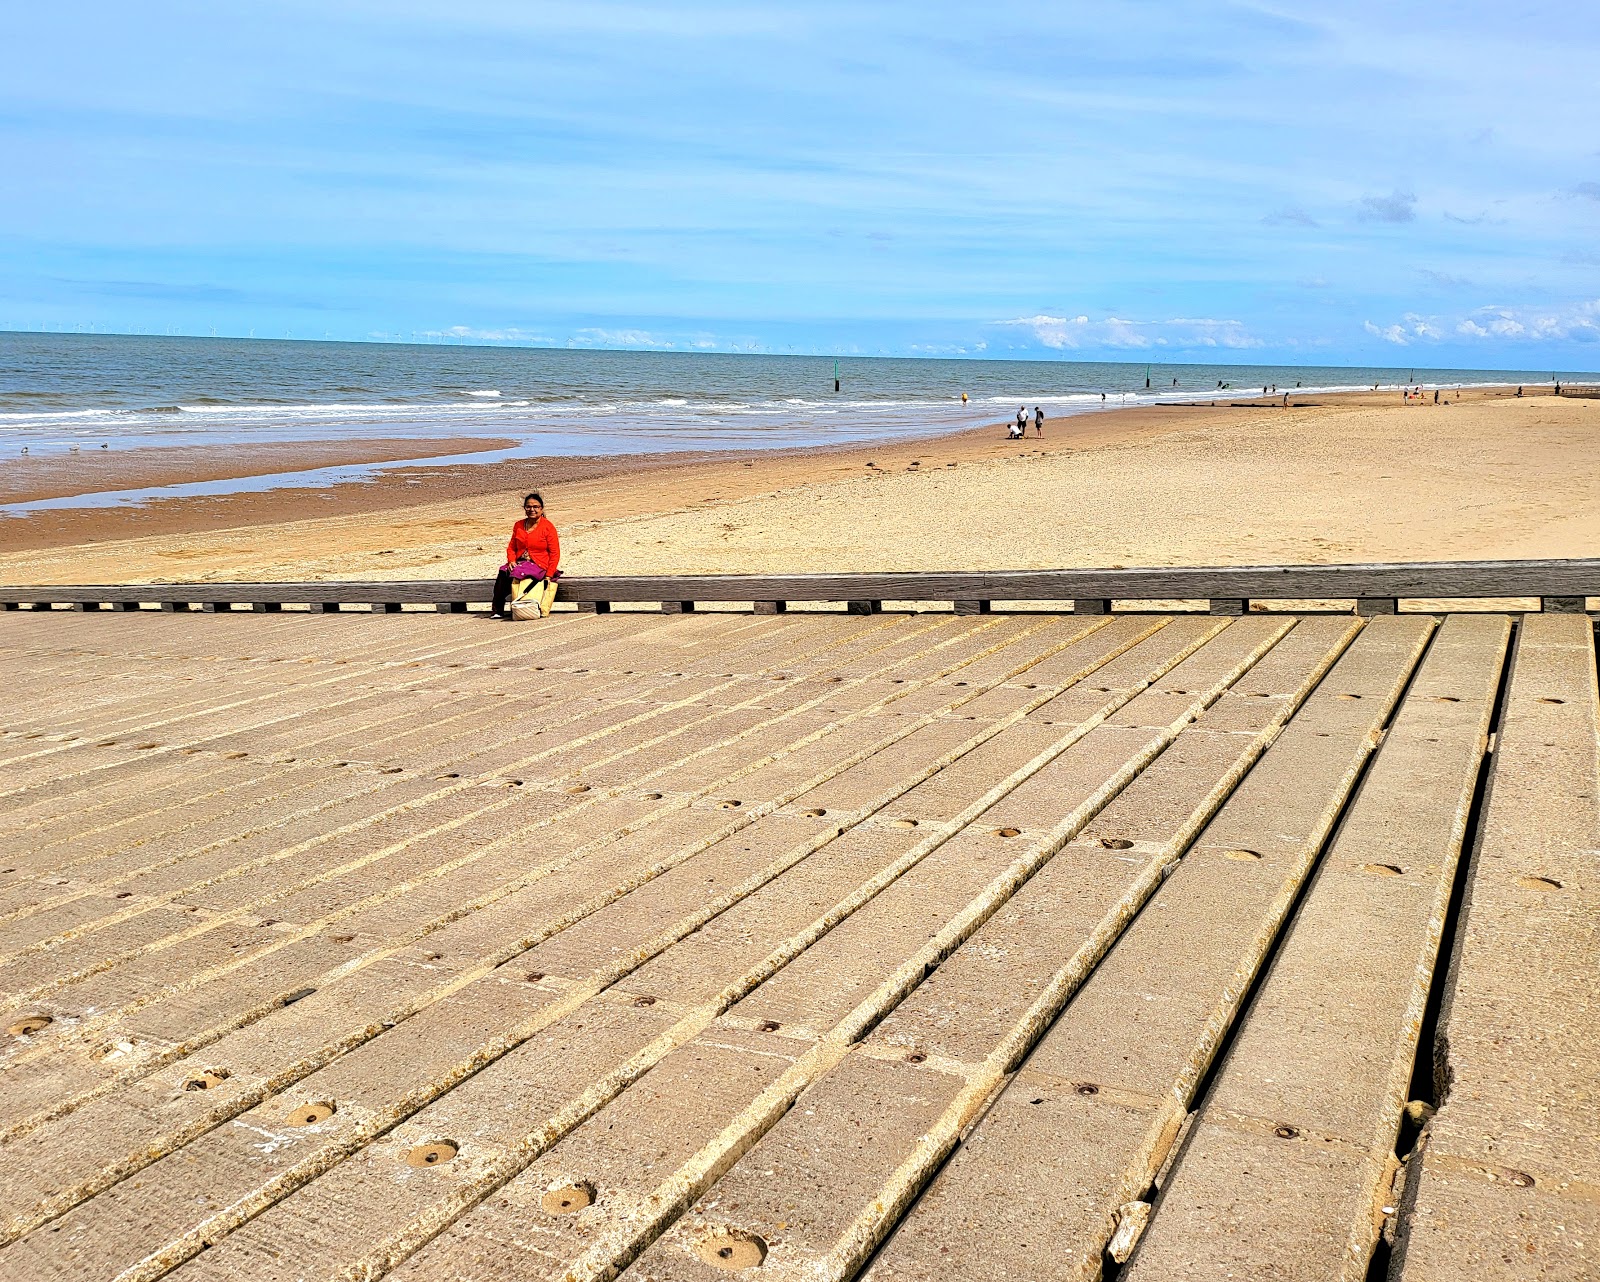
point(534, 552)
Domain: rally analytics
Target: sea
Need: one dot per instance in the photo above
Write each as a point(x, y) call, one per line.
point(60, 392)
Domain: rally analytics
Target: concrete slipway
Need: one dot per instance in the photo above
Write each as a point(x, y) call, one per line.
point(812, 946)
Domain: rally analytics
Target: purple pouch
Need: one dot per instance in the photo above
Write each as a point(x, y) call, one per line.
point(526, 570)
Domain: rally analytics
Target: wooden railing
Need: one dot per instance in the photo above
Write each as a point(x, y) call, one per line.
point(1377, 589)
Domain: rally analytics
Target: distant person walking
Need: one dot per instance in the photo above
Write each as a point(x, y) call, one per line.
point(534, 552)
point(1022, 420)
point(1038, 421)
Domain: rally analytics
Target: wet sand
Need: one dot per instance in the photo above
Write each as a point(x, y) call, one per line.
point(1349, 478)
point(31, 477)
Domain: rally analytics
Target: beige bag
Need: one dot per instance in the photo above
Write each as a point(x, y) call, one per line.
point(525, 598)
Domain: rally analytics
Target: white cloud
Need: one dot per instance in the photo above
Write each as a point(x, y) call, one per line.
point(944, 349)
point(593, 336)
point(1576, 323)
point(1389, 333)
point(469, 333)
point(1063, 332)
point(618, 338)
point(1397, 207)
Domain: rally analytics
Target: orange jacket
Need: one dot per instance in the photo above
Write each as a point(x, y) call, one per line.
point(541, 545)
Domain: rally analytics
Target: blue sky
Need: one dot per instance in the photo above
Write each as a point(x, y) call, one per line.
point(1396, 183)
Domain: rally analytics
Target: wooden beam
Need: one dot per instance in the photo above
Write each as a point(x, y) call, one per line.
point(1371, 606)
point(1229, 605)
point(972, 607)
point(771, 607)
point(1563, 604)
point(1092, 590)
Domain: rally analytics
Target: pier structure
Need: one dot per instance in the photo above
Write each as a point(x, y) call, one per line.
point(896, 945)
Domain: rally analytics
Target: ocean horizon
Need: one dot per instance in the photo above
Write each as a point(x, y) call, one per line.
point(65, 391)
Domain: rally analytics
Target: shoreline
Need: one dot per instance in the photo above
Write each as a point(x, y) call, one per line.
point(129, 480)
point(48, 477)
point(1353, 476)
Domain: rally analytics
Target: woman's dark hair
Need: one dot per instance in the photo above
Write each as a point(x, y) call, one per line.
point(534, 495)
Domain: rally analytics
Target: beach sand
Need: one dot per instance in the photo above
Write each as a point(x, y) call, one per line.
point(47, 476)
point(1330, 479)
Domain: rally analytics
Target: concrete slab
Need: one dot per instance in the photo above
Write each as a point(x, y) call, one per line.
point(1323, 1062)
point(1515, 1062)
point(744, 943)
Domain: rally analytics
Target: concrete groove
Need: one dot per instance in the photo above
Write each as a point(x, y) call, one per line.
point(452, 790)
point(423, 680)
point(751, 815)
point(247, 804)
point(216, 921)
point(313, 764)
point(1505, 1180)
point(217, 775)
point(1433, 751)
point(1136, 1141)
point(150, 726)
point(272, 690)
point(283, 793)
point(983, 1082)
point(767, 1107)
point(615, 1250)
point(352, 675)
point(447, 1248)
point(922, 956)
point(271, 1194)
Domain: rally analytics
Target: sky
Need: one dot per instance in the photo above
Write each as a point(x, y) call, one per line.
point(1363, 183)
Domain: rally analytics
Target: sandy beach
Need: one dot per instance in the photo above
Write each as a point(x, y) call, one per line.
point(1334, 478)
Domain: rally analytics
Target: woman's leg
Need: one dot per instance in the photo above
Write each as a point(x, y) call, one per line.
point(502, 590)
